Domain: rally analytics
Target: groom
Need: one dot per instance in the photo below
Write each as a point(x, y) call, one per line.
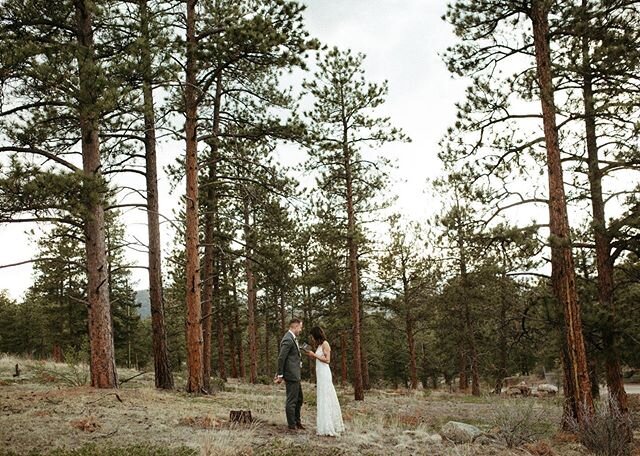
point(289, 364)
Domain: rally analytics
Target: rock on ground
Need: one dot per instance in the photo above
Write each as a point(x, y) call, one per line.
point(459, 432)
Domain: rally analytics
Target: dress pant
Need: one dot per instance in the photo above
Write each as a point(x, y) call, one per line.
point(294, 403)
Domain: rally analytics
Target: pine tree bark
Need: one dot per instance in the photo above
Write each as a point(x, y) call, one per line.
point(502, 339)
point(352, 249)
point(225, 308)
point(604, 260)
point(162, 370)
point(366, 383)
point(238, 333)
point(413, 369)
point(463, 379)
point(343, 359)
point(251, 295)
point(580, 402)
point(210, 272)
point(102, 357)
point(194, 310)
point(470, 330)
point(207, 302)
point(219, 312)
point(267, 341)
point(232, 350)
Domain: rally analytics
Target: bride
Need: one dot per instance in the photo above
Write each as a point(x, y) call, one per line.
point(329, 415)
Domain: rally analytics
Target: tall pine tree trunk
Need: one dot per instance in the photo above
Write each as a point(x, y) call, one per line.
point(469, 322)
point(232, 349)
point(194, 310)
point(463, 379)
point(352, 248)
point(163, 376)
point(251, 294)
point(208, 278)
point(604, 260)
point(502, 339)
point(219, 312)
point(210, 272)
point(267, 341)
point(364, 360)
point(238, 333)
point(563, 278)
point(226, 309)
point(102, 361)
point(413, 369)
point(475, 364)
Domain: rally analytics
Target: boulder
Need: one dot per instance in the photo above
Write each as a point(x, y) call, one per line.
point(548, 388)
point(519, 390)
point(459, 432)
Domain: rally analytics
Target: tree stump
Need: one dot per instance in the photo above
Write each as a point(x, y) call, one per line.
point(240, 416)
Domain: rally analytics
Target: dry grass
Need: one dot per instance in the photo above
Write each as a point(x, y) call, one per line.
point(38, 415)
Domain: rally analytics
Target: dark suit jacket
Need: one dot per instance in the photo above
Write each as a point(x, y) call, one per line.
point(289, 359)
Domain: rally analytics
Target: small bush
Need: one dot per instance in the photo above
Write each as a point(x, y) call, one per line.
point(518, 422)
point(606, 432)
point(217, 385)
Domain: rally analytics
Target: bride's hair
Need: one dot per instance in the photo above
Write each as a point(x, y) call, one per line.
point(318, 335)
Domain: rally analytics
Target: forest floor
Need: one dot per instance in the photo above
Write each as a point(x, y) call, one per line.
point(48, 410)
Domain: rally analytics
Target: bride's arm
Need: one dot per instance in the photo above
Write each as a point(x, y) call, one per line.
point(326, 353)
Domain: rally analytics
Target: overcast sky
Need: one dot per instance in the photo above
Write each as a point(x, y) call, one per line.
point(402, 40)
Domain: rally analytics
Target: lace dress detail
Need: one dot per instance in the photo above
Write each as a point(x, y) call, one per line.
point(329, 419)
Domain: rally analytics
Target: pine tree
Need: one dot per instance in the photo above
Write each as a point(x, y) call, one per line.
point(60, 74)
point(341, 123)
point(404, 273)
point(481, 23)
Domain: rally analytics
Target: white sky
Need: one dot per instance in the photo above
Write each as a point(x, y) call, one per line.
point(402, 40)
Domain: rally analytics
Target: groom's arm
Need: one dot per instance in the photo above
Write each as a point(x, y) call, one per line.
point(285, 347)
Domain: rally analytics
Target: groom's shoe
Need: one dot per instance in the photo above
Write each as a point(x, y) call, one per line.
point(292, 428)
point(300, 426)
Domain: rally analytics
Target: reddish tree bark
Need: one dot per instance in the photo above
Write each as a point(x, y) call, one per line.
point(352, 248)
point(194, 310)
point(102, 358)
point(163, 376)
point(604, 260)
point(580, 401)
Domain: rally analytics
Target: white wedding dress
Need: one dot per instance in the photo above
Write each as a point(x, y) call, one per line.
point(329, 419)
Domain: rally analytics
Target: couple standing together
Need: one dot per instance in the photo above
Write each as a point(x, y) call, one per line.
point(329, 416)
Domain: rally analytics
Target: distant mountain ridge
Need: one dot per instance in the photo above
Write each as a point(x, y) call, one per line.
point(142, 299)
